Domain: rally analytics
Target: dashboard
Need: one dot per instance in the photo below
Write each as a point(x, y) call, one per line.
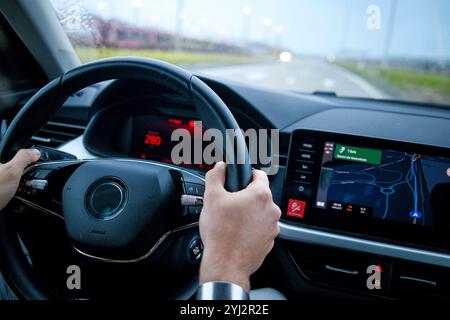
point(129, 129)
point(361, 179)
point(338, 171)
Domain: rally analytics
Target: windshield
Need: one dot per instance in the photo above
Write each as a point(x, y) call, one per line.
point(383, 49)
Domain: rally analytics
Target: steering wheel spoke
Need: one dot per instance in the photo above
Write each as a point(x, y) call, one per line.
point(41, 185)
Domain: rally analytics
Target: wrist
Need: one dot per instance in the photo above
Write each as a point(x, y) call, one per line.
point(216, 267)
point(219, 290)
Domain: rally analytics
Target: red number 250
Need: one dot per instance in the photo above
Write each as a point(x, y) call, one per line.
point(152, 139)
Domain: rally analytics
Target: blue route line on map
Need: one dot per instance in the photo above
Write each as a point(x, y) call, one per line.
point(416, 198)
point(389, 190)
point(415, 214)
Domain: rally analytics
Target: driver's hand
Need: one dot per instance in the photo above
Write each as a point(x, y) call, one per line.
point(11, 172)
point(237, 229)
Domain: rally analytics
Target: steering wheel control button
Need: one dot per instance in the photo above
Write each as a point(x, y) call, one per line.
point(44, 155)
point(40, 174)
point(191, 200)
point(51, 154)
point(193, 188)
point(296, 208)
point(106, 198)
point(195, 250)
point(195, 210)
point(37, 184)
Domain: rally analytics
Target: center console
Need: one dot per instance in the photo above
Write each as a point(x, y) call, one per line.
point(381, 190)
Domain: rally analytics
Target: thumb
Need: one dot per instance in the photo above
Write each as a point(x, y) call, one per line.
point(215, 178)
point(24, 157)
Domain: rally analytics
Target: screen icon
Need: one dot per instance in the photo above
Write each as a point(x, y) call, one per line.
point(357, 154)
point(415, 214)
point(365, 211)
point(336, 206)
point(349, 208)
point(320, 204)
point(296, 208)
point(329, 146)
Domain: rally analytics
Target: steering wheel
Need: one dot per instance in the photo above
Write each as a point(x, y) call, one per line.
point(114, 210)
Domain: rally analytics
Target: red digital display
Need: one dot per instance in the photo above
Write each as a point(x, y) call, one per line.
point(153, 139)
point(175, 121)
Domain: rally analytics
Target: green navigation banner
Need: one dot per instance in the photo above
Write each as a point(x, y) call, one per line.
point(356, 154)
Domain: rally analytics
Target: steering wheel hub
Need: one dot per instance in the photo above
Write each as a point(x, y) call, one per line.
point(106, 198)
point(116, 209)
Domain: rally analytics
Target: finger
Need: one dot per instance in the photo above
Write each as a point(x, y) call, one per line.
point(215, 178)
point(23, 158)
point(259, 179)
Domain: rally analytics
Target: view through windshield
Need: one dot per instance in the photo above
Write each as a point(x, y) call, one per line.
point(385, 49)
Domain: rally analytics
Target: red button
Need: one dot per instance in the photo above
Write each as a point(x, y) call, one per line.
point(296, 208)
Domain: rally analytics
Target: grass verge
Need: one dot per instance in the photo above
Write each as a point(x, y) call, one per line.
point(87, 54)
point(401, 79)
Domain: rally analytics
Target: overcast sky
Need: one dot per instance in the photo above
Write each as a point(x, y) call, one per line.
point(421, 28)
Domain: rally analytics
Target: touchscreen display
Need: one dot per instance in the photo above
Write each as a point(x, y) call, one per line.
point(378, 183)
point(376, 188)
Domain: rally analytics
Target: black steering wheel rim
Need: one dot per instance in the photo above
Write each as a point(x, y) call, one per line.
point(44, 104)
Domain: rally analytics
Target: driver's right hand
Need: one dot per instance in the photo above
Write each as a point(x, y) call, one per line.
point(237, 229)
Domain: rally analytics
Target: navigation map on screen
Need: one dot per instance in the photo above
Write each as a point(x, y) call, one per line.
point(383, 184)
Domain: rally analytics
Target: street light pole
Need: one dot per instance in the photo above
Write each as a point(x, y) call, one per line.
point(388, 39)
point(247, 12)
point(137, 7)
point(437, 28)
point(179, 24)
point(267, 23)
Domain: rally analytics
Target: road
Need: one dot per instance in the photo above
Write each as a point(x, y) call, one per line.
point(300, 75)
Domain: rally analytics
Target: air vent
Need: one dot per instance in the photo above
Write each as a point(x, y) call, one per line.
point(56, 133)
point(338, 268)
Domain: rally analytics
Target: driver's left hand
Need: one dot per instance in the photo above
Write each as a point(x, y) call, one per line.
point(11, 172)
